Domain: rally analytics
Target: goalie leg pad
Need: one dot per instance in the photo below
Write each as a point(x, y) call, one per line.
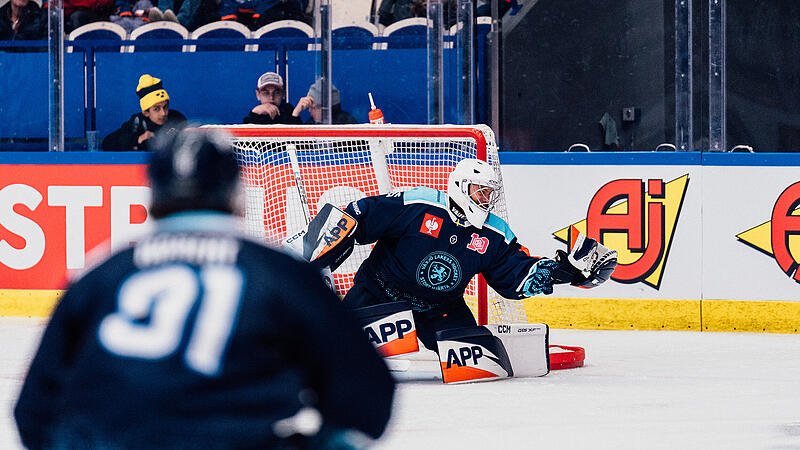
point(492, 352)
point(390, 327)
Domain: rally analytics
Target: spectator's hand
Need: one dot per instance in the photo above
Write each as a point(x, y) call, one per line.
point(145, 136)
point(266, 108)
point(302, 104)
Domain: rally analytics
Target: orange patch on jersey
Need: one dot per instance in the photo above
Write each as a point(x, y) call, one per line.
point(431, 225)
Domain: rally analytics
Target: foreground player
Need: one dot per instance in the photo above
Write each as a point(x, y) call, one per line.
point(430, 244)
point(198, 338)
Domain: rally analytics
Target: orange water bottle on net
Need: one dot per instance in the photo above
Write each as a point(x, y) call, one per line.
point(375, 114)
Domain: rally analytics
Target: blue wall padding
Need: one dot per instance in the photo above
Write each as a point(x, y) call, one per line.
point(24, 94)
point(215, 87)
point(207, 87)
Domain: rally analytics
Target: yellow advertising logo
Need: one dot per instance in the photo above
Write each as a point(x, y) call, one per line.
point(639, 224)
point(780, 236)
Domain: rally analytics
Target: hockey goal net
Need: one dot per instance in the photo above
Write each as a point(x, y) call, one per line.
point(290, 172)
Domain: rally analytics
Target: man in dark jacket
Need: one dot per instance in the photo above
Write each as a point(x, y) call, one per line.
point(78, 13)
point(311, 102)
point(200, 337)
point(272, 109)
point(156, 115)
point(22, 20)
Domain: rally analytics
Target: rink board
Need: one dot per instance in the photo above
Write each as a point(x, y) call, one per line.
point(705, 241)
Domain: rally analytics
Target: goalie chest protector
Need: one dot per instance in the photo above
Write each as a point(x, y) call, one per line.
point(422, 251)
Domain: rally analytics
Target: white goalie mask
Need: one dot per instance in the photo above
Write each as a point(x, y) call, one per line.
point(473, 188)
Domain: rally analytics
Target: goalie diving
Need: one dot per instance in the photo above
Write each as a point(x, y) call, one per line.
point(429, 244)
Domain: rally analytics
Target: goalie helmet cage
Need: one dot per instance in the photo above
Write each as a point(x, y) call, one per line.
point(343, 163)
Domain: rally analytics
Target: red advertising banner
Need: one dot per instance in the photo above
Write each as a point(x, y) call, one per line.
point(51, 215)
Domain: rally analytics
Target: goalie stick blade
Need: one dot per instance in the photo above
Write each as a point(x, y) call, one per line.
point(565, 357)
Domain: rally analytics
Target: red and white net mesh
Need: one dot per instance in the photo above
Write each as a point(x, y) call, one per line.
point(368, 160)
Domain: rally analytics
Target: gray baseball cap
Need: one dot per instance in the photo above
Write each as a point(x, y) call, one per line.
point(315, 92)
point(269, 78)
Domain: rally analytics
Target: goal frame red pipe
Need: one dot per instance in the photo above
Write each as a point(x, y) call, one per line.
point(395, 132)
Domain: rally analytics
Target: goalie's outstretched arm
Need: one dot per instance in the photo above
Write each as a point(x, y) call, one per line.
point(518, 275)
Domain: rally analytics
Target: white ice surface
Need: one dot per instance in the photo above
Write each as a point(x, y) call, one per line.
point(638, 390)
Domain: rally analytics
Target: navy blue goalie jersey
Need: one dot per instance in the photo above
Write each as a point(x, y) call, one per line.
point(198, 338)
point(420, 250)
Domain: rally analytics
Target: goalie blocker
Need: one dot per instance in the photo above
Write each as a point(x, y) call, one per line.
point(328, 239)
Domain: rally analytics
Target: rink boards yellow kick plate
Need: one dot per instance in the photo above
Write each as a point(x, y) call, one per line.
point(578, 313)
point(28, 303)
point(659, 314)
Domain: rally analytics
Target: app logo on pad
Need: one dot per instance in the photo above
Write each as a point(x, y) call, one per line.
point(431, 225)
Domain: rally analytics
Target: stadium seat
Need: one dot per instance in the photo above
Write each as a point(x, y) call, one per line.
point(285, 29)
point(362, 30)
point(579, 147)
point(158, 31)
point(223, 29)
point(413, 26)
point(96, 31)
point(484, 25)
point(346, 13)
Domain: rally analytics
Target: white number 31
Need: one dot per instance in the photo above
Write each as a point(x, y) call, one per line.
point(154, 306)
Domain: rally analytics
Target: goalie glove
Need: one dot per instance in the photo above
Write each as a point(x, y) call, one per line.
point(588, 264)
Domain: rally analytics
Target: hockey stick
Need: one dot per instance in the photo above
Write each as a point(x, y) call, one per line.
point(298, 181)
point(301, 192)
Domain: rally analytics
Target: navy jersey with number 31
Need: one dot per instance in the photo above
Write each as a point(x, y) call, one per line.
point(197, 337)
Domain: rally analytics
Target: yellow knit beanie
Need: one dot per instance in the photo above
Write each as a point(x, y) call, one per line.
point(150, 92)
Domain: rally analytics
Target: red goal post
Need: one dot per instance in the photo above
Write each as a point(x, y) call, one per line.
point(342, 163)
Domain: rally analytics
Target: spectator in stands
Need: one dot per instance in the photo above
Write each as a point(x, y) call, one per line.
point(484, 7)
point(131, 15)
point(22, 20)
point(155, 116)
point(393, 10)
point(80, 12)
point(257, 13)
point(272, 108)
point(192, 14)
point(310, 102)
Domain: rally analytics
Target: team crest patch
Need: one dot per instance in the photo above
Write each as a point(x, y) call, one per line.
point(439, 271)
point(431, 225)
point(479, 244)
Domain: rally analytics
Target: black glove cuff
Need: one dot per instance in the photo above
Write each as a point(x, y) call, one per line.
point(566, 272)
